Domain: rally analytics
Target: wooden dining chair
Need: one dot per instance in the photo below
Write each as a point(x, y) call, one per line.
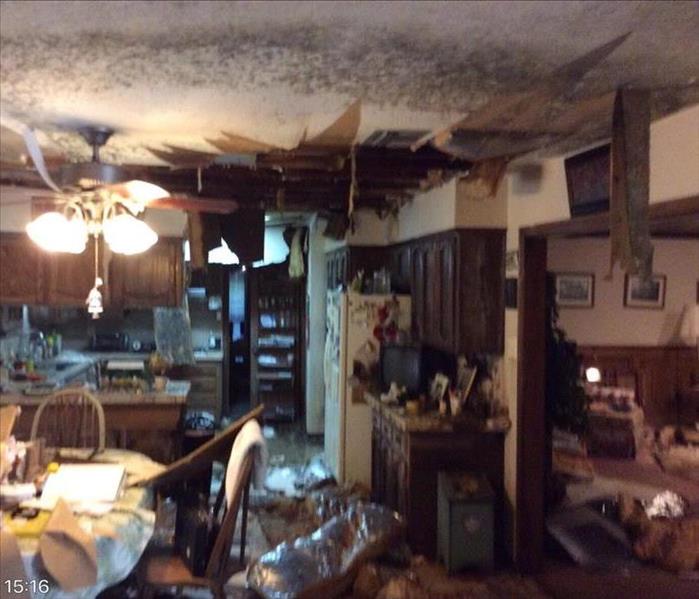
point(70, 417)
point(169, 570)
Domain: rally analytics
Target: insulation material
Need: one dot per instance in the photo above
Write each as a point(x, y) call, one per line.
point(483, 180)
point(629, 195)
point(325, 563)
point(296, 269)
point(666, 505)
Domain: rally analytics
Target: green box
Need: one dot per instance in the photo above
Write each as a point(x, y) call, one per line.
point(464, 521)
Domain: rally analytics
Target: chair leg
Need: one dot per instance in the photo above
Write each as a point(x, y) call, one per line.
point(244, 524)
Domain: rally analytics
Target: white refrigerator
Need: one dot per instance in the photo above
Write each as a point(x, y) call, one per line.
point(353, 342)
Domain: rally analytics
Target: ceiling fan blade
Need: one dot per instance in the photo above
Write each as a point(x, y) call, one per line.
point(32, 145)
point(195, 204)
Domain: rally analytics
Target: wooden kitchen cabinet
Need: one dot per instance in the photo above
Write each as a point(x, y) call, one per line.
point(407, 455)
point(456, 282)
point(154, 278)
point(20, 268)
point(344, 263)
point(69, 277)
point(206, 388)
point(29, 275)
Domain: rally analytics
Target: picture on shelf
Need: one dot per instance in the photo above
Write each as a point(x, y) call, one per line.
point(439, 387)
point(645, 294)
point(575, 290)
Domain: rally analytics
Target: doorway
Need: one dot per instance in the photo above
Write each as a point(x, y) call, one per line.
point(674, 218)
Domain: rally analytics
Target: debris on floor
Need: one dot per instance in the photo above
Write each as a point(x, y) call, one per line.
point(325, 563)
point(670, 543)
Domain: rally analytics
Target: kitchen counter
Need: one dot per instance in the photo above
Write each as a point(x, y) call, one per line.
point(175, 393)
point(147, 422)
point(209, 356)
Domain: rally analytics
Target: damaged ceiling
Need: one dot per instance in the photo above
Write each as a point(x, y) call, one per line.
point(187, 72)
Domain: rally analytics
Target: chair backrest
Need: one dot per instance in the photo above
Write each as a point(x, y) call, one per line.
point(70, 418)
point(216, 449)
point(217, 565)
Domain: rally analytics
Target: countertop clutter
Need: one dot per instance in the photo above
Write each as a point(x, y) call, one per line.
point(433, 422)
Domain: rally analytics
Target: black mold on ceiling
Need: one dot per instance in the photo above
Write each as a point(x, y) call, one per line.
point(420, 58)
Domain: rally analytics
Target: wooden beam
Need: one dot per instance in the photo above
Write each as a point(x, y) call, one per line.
point(531, 404)
point(594, 224)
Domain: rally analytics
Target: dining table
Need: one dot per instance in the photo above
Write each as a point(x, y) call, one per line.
point(121, 534)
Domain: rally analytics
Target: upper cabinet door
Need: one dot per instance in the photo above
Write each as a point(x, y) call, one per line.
point(69, 277)
point(154, 278)
point(20, 270)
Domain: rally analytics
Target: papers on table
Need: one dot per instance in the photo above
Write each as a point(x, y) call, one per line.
point(88, 486)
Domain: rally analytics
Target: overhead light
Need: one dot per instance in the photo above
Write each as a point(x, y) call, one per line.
point(593, 375)
point(144, 192)
point(110, 210)
point(53, 232)
point(128, 235)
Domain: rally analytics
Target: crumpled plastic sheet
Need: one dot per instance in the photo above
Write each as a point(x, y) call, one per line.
point(324, 563)
point(666, 505)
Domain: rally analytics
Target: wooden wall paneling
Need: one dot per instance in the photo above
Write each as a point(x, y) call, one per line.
point(531, 404)
point(663, 375)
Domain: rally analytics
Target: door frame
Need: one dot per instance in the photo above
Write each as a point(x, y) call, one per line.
point(531, 356)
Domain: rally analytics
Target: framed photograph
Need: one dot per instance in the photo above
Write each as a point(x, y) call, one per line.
point(650, 295)
point(575, 289)
point(440, 385)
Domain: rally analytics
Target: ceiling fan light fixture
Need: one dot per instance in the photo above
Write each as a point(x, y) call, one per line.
point(128, 235)
point(144, 192)
point(53, 232)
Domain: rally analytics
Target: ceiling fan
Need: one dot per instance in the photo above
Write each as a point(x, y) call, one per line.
point(97, 198)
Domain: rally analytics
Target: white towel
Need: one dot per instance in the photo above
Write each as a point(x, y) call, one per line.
point(250, 438)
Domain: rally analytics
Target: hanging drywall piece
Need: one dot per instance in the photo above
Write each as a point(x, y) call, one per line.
point(524, 116)
point(230, 143)
point(179, 157)
point(342, 133)
point(629, 195)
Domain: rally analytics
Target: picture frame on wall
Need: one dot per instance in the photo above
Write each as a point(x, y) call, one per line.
point(575, 289)
point(650, 296)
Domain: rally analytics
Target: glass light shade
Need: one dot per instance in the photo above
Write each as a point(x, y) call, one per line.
point(144, 192)
point(128, 235)
point(593, 375)
point(53, 232)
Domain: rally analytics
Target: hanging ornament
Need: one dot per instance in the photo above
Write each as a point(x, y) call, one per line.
point(94, 298)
